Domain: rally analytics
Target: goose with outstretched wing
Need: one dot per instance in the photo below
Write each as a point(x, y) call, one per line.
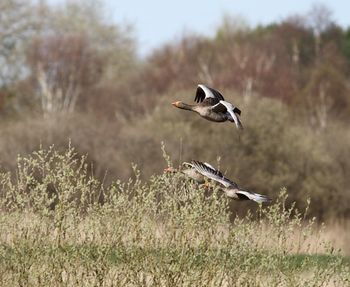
point(212, 106)
point(188, 170)
point(230, 188)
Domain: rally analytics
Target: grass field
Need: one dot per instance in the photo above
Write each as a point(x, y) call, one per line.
point(60, 226)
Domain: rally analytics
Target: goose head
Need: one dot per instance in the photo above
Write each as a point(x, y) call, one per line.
point(182, 105)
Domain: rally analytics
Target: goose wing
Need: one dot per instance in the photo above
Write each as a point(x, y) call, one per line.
point(212, 173)
point(187, 164)
point(253, 196)
point(207, 96)
point(223, 107)
point(208, 165)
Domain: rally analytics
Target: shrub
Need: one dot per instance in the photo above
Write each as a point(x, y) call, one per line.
point(166, 231)
point(275, 149)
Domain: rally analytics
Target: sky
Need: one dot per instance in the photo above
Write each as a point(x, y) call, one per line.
point(156, 22)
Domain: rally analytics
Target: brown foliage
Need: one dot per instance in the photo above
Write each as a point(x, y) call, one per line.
point(275, 150)
point(67, 65)
point(291, 80)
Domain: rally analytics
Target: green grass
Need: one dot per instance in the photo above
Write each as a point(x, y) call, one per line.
point(161, 263)
point(310, 260)
point(195, 257)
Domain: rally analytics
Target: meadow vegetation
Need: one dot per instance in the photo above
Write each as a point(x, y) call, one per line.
point(61, 226)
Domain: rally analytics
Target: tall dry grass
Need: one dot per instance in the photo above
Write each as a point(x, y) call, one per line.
point(61, 226)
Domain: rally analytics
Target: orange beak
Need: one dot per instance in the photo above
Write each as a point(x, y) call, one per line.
point(175, 104)
point(168, 169)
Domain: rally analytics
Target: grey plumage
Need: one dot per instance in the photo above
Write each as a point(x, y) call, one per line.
point(230, 188)
point(212, 106)
point(188, 170)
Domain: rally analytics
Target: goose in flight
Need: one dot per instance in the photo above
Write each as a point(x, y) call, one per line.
point(188, 169)
point(212, 106)
point(231, 189)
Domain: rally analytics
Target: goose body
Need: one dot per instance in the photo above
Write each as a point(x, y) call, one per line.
point(188, 169)
point(231, 189)
point(212, 106)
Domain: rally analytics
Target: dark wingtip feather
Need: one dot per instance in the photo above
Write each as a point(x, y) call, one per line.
point(217, 94)
point(237, 111)
point(200, 94)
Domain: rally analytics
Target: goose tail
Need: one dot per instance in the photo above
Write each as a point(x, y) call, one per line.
point(239, 124)
point(259, 198)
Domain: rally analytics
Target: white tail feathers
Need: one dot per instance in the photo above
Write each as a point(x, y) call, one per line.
point(255, 196)
point(239, 124)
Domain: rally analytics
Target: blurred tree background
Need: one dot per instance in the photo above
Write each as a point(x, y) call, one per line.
point(67, 72)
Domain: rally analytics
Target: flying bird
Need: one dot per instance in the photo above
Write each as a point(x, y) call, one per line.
point(231, 189)
point(212, 106)
point(188, 169)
